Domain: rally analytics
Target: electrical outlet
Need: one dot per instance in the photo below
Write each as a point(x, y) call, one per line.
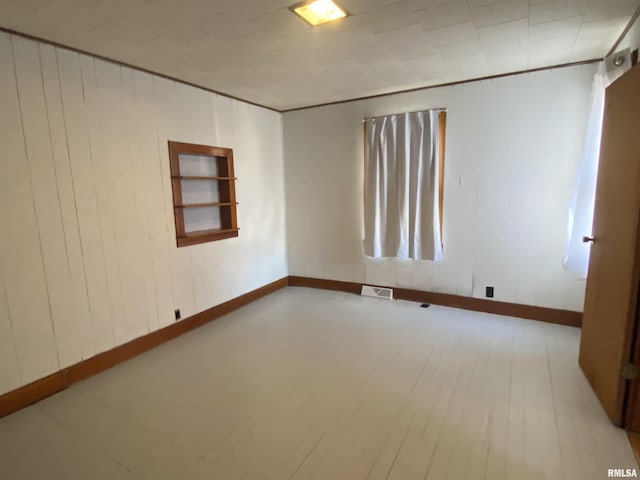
point(489, 292)
point(177, 312)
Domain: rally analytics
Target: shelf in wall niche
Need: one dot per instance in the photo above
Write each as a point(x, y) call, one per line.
point(204, 210)
point(203, 205)
point(210, 231)
point(200, 236)
point(197, 177)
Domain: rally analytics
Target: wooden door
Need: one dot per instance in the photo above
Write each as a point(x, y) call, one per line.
point(631, 411)
point(612, 283)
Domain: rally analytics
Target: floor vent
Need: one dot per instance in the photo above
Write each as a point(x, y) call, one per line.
point(377, 292)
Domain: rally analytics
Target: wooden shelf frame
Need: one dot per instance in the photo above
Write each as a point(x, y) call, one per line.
point(205, 205)
point(225, 180)
point(198, 177)
point(202, 236)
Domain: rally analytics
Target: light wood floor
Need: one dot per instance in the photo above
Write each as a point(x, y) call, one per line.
point(308, 384)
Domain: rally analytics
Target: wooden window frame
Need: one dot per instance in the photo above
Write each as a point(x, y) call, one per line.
point(442, 134)
point(226, 187)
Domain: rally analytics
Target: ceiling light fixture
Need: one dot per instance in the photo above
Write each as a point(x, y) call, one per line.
point(318, 11)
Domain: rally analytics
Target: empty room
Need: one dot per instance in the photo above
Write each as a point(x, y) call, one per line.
point(361, 239)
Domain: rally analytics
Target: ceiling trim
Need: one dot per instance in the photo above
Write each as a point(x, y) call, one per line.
point(632, 20)
point(134, 67)
point(448, 84)
point(337, 102)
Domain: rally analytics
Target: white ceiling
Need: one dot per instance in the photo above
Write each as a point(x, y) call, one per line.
point(259, 51)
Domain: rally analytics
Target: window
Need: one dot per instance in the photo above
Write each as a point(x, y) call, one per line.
point(404, 172)
point(204, 193)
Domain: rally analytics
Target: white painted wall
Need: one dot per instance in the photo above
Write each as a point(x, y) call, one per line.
point(87, 253)
point(632, 38)
point(512, 152)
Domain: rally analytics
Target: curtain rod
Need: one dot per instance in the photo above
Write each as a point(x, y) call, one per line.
point(441, 109)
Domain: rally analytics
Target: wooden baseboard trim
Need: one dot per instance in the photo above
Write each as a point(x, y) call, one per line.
point(32, 393)
point(45, 387)
point(544, 314)
point(321, 283)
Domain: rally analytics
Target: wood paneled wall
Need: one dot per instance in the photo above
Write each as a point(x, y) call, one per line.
point(87, 251)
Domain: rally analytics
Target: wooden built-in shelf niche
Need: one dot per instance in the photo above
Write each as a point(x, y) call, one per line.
point(204, 193)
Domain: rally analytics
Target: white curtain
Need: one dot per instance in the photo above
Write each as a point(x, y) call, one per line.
point(402, 215)
point(580, 217)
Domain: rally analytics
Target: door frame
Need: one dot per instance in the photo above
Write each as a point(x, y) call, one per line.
point(630, 415)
